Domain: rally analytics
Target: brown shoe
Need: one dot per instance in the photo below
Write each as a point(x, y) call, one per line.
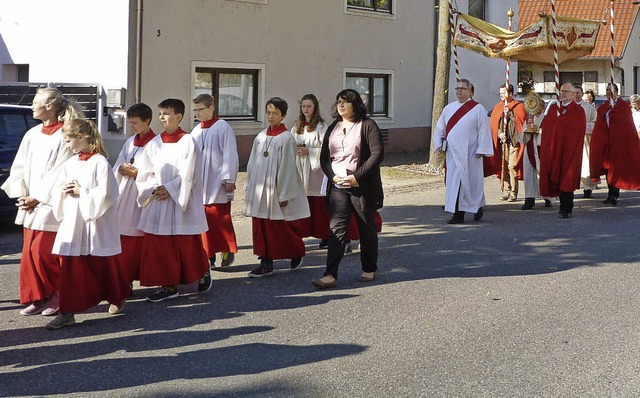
point(366, 278)
point(323, 285)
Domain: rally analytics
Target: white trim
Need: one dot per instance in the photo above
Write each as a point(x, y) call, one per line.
point(372, 14)
point(389, 119)
point(243, 126)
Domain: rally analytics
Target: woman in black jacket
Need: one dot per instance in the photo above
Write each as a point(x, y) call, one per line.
point(351, 154)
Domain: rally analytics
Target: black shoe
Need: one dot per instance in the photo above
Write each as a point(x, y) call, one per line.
point(586, 193)
point(164, 293)
point(547, 203)
point(611, 200)
point(324, 243)
point(478, 215)
point(527, 206)
point(227, 259)
point(204, 285)
point(564, 215)
point(456, 220)
point(348, 249)
point(295, 263)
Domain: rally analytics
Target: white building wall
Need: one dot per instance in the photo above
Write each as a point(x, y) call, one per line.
point(631, 59)
point(303, 46)
point(70, 41)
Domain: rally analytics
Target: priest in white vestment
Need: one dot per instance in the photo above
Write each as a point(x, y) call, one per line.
point(591, 113)
point(463, 133)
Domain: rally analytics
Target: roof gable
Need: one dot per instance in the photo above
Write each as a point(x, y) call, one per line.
point(625, 13)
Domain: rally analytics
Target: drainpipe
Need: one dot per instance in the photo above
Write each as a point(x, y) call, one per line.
point(138, 51)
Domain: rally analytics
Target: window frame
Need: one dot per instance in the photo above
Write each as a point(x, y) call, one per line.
point(256, 70)
point(372, 12)
point(372, 74)
point(483, 3)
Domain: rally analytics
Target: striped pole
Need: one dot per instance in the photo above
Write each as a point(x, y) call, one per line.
point(455, 48)
point(510, 14)
point(556, 70)
point(613, 82)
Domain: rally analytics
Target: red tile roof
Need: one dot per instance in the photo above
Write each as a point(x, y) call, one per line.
point(624, 14)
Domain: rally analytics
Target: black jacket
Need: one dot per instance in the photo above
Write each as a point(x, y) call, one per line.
point(368, 171)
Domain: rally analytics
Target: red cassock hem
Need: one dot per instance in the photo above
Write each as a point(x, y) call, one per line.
point(276, 239)
point(85, 281)
point(130, 258)
point(221, 236)
point(317, 225)
point(39, 268)
point(354, 232)
point(169, 260)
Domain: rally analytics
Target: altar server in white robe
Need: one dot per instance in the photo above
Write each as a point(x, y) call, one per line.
point(40, 155)
point(463, 133)
point(127, 209)
point(531, 139)
point(83, 198)
point(591, 113)
point(274, 194)
point(218, 170)
point(173, 216)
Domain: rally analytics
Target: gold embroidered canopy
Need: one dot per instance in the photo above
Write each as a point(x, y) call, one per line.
point(576, 38)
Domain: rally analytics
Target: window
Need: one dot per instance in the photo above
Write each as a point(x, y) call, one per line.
point(383, 6)
point(477, 8)
point(235, 91)
point(374, 89)
point(591, 76)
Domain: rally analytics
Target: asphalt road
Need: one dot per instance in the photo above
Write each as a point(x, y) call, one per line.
point(520, 304)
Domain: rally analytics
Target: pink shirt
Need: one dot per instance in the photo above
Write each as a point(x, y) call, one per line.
point(344, 148)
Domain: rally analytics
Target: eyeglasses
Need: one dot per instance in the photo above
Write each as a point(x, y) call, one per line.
point(199, 110)
point(461, 88)
point(566, 91)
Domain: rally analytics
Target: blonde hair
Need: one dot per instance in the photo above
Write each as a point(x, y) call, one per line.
point(85, 128)
point(66, 108)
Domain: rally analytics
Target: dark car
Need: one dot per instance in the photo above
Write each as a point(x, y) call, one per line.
point(15, 120)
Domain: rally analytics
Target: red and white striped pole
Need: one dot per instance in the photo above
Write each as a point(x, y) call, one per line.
point(510, 14)
point(556, 70)
point(613, 81)
point(455, 48)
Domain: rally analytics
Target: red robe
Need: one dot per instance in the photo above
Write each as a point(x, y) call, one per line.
point(493, 164)
point(561, 149)
point(615, 149)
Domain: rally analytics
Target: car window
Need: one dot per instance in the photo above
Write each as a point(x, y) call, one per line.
point(13, 125)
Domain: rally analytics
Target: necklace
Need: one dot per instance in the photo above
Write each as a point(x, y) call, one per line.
point(134, 155)
point(346, 131)
point(266, 151)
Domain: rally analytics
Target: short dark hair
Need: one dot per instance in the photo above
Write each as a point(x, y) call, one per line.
point(354, 98)
point(591, 93)
point(173, 103)
point(510, 89)
point(279, 104)
point(143, 111)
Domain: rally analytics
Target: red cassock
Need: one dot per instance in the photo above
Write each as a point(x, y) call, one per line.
point(493, 164)
point(39, 268)
point(615, 149)
point(561, 149)
point(221, 237)
point(277, 239)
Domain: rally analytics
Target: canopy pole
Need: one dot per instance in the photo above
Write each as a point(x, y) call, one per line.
point(455, 48)
point(556, 70)
point(510, 14)
point(613, 82)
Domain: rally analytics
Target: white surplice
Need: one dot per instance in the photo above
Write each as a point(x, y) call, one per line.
point(467, 142)
point(309, 165)
point(171, 165)
point(591, 113)
point(88, 223)
point(273, 179)
point(530, 173)
point(127, 210)
point(37, 161)
point(219, 159)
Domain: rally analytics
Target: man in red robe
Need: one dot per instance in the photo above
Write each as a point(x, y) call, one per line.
point(563, 132)
point(615, 150)
point(508, 153)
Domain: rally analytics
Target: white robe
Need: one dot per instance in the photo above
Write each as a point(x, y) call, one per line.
point(309, 165)
point(531, 175)
point(171, 165)
point(591, 113)
point(127, 210)
point(274, 179)
point(219, 159)
point(88, 223)
point(467, 142)
point(37, 161)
